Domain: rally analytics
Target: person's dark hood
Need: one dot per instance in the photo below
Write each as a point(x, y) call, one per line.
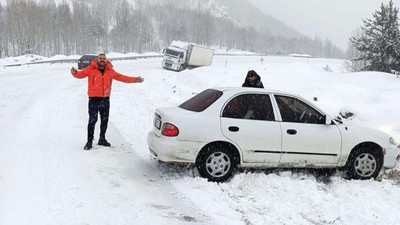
point(257, 83)
point(250, 74)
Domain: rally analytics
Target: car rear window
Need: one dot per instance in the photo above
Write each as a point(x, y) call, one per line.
point(202, 101)
point(88, 57)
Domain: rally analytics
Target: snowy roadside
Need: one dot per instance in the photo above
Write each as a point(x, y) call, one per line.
point(46, 177)
point(288, 197)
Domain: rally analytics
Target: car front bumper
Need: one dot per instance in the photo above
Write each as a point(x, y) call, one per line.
point(170, 149)
point(391, 156)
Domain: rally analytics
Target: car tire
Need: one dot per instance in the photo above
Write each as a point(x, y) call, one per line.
point(217, 163)
point(364, 163)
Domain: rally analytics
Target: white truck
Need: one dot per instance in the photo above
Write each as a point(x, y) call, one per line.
point(181, 55)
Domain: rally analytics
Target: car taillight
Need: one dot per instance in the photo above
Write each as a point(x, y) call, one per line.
point(169, 130)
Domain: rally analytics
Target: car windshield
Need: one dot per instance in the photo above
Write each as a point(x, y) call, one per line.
point(202, 101)
point(88, 57)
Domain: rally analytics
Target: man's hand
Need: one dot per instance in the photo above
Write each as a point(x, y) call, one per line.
point(73, 71)
point(139, 79)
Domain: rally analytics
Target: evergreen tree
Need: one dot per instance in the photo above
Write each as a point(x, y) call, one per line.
point(379, 43)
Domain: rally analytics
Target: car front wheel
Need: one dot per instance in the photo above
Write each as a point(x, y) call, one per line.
point(364, 163)
point(217, 164)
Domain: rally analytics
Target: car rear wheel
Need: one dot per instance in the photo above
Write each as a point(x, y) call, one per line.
point(217, 163)
point(364, 163)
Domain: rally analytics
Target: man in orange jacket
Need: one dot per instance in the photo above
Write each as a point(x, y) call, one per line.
point(100, 75)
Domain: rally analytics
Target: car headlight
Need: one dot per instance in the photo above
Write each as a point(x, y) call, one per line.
point(391, 140)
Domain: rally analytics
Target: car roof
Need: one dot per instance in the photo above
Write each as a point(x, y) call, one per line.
point(94, 56)
point(250, 89)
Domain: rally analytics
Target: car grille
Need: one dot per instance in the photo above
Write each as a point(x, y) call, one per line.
point(168, 65)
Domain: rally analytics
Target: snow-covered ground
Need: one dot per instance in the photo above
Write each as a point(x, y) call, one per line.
point(47, 178)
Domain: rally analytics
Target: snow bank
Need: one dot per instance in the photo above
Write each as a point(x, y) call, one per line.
point(46, 177)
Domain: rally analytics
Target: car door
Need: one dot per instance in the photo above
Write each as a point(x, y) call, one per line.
point(249, 121)
point(306, 139)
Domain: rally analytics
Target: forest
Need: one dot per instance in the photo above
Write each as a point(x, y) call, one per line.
point(50, 28)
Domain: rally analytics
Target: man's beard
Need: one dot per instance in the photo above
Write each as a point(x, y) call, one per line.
point(101, 65)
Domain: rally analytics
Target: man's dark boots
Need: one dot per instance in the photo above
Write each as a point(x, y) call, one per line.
point(88, 145)
point(104, 142)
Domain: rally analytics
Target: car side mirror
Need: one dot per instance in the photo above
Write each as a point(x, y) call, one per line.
point(163, 51)
point(328, 121)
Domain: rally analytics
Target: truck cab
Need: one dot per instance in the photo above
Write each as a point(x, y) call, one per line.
point(175, 56)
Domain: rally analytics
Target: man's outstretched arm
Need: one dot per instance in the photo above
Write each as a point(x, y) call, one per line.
point(78, 74)
point(127, 79)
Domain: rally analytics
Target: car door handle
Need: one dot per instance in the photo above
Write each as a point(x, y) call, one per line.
point(233, 129)
point(291, 132)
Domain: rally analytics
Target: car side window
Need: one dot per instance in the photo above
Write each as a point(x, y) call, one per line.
point(250, 106)
point(295, 111)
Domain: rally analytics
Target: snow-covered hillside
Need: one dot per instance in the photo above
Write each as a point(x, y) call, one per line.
point(47, 178)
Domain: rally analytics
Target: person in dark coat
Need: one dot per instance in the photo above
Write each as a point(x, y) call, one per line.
point(253, 80)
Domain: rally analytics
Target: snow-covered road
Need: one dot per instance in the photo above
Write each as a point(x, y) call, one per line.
point(46, 177)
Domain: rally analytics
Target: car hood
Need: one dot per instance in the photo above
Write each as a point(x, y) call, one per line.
point(365, 133)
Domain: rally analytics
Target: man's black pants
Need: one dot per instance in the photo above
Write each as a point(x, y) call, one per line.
point(98, 105)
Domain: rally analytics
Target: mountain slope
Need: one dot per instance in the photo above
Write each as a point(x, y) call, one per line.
point(248, 15)
point(239, 11)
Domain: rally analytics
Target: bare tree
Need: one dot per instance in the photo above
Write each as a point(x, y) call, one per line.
point(65, 22)
point(3, 32)
point(49, 27)
point(355, 63)
point(84, 42)
point(123, 27)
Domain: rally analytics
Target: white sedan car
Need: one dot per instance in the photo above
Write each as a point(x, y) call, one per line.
point(222, 128)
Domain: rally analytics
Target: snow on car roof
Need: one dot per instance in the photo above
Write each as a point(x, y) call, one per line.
point(240, 89)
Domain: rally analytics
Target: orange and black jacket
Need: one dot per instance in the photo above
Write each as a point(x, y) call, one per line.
point(99, 85)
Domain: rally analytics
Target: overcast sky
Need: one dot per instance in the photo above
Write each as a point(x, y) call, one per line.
point(333, 19)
